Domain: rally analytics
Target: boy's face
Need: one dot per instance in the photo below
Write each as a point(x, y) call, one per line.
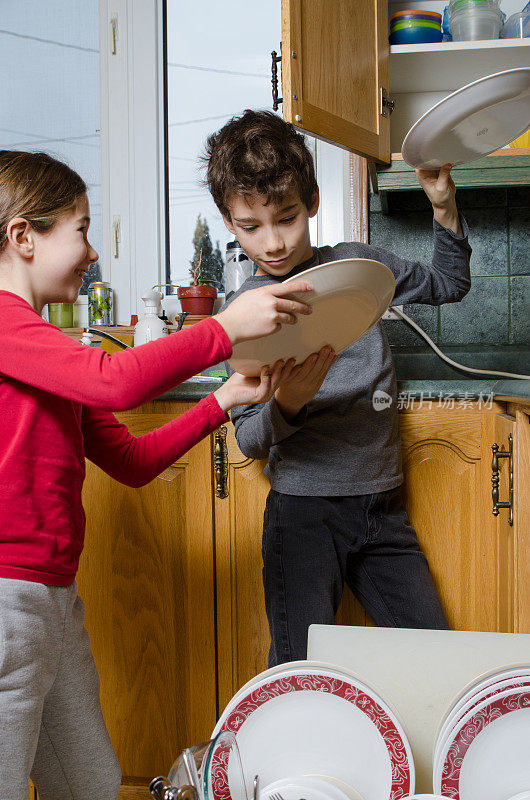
point(275, 237)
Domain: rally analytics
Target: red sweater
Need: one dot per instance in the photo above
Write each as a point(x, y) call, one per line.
point(56, 399)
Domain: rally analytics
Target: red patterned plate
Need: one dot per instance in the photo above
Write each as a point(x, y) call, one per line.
point(486, 755)
point(304, 721)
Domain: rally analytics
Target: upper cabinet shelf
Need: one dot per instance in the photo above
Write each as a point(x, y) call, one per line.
point(447, 66)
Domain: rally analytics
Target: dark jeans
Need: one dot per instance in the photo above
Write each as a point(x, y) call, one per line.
point(313, 545)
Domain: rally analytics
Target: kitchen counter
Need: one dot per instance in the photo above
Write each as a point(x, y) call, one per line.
point(457, 391)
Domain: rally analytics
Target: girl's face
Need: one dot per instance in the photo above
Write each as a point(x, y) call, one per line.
point(62, 257)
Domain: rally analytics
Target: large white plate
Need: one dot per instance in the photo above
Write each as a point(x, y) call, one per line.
point(487, 754)
point(323, 722)
point(477, 684)
point(309, 787)
point(471, 702)
point(348, 298)
point(477, 119)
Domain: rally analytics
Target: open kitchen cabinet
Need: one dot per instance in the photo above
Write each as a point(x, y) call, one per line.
point(337, 68)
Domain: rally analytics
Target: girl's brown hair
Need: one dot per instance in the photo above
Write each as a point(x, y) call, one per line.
point(258, 152)
point(37, 187)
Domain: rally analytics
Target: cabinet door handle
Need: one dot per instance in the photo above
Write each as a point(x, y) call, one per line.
point(220, 462)
point(274, 80)
point(497, 454)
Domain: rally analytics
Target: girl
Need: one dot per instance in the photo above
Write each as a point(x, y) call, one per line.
point(56, 398)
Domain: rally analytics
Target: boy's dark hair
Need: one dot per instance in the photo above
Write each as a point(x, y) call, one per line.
point(258, 152)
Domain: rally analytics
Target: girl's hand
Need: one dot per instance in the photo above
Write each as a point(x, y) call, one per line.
point(304, 383)
point(239, 390)
point(440, 189)
point(260, 312)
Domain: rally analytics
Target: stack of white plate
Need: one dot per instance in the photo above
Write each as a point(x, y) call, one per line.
point(482, 749)
point(315, 731)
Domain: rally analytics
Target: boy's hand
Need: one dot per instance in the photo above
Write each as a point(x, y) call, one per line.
point(260, 312)
point(239, 390)
point(440, 189)
point(305, 381)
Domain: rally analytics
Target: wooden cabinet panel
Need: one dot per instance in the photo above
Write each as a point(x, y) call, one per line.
point(447, 468)
point(334, 65)
point(147, 579)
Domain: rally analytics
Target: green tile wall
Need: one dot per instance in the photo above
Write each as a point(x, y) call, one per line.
point(496, 312)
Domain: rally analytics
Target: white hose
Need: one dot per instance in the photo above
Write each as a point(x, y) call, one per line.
point(450, 360)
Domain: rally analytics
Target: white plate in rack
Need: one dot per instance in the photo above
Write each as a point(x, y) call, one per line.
point(321, 721)
point(487, 755)
point(472, 702)
point(349, 297)
point(472, 122)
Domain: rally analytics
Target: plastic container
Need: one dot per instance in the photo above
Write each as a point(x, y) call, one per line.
point(517, 26)
point(474, 20)
point(415, 27)
point(433, 16)
point(61, 314)
point(81, 311)
point(150, 327)
point(416, 35)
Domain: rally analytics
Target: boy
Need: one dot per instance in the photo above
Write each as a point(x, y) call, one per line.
point(334, 512)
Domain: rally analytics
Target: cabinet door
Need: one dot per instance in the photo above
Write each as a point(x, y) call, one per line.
point(447, 468)
point(146, 575)
point(242, 628)
point(334, 67)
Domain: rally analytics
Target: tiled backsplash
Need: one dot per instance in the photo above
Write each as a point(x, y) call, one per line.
point(496, 311)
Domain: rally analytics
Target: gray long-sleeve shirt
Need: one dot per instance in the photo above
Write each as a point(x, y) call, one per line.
point(339, 443)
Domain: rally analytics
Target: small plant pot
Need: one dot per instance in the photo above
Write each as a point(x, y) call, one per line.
point(197, 300)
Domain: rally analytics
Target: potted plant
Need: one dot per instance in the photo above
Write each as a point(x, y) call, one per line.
point(199, 297)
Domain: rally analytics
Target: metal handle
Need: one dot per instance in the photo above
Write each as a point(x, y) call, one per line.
point(274, 69)
point(386, 105)
point(498, 454)
point(220, 463)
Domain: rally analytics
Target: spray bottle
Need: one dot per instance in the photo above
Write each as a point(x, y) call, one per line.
point(150, 327)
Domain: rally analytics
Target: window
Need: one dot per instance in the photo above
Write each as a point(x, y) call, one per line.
point(218, 64)
point(50, 91)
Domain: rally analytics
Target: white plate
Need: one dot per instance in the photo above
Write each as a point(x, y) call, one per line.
point(309, 787)
point(477, 119)
point(321, 722)
point(348, 298)
point(499, 682)
point(478, 683)
point(487, 754)
point(294, 666)
point(471, 702)
point(349, 791)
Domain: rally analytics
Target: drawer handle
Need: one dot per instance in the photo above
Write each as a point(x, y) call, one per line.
point(498, 454)
point(220, 463)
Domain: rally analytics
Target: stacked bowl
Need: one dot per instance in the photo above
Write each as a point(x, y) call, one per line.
point(471, 20)
point(415, 27)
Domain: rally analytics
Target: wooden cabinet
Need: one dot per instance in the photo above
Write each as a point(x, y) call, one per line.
point(336, 60)
point(335, 72)
point(171, 573)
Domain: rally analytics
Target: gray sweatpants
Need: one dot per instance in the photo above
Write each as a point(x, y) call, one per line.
point(51, 725)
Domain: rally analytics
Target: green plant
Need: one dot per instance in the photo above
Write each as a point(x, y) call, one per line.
point(211, 260)
point(199, 279)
